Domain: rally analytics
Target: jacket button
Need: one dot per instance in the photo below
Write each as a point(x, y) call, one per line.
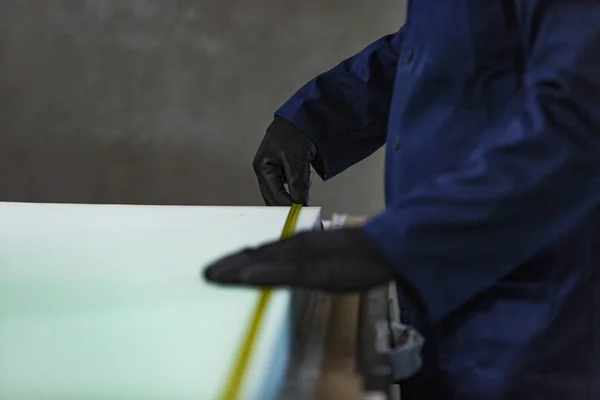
point(409, 54)
point(396, 144)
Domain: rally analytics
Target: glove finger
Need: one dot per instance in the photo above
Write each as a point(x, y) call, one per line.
point(299, 275)
point(228, 269)
point(253, 274)
point(272, 263)
point(271, 178)
point(270, 274)
point(298, 179)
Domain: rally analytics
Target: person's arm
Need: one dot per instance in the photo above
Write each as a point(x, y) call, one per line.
point(533, 177)
point(344, 111)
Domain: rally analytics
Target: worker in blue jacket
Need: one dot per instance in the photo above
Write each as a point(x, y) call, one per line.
point(490, 111)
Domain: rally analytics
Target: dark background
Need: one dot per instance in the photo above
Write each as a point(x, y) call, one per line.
point(165, 101)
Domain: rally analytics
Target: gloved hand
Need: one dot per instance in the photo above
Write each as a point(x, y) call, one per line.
point(284, 156)
point(344, 260)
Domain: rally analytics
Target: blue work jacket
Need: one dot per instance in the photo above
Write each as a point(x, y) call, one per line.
point(490, 111)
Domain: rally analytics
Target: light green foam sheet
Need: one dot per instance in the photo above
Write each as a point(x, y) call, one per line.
point(107, 301)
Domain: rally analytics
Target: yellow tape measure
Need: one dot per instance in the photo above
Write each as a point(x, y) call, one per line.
point(234, 382)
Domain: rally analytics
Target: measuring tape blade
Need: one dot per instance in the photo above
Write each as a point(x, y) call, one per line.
point(234, 382)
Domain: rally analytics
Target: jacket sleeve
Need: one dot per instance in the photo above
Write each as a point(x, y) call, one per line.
point(532, 178)
point(345, 110)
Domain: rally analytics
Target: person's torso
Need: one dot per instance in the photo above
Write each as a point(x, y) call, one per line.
point(536, 333)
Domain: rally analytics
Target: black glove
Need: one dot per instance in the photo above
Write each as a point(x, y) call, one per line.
point(344, 260)
point(284, 156)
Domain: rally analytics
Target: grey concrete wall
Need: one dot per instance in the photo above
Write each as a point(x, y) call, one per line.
point(165, 101)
